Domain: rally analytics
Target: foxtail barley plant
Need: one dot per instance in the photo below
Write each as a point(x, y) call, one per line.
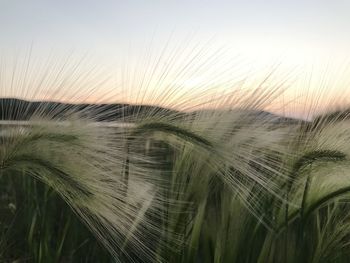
point(177, 176)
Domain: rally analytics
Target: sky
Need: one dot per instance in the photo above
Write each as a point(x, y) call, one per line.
point(299, 34)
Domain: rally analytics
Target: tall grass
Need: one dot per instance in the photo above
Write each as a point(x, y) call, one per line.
point(222, 183)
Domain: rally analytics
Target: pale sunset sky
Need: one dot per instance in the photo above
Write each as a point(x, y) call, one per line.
point(308, 41)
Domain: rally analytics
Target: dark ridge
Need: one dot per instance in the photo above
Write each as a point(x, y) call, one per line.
point(17, 109)
point(21, 110)
point(327, 118)
point(338, 115)
point(253, 115)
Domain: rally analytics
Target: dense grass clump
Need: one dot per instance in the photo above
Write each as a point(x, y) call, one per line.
point(211, 187)
point(211, 177)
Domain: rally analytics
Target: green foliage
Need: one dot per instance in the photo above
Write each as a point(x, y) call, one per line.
point(215, 187)
point(37, 226)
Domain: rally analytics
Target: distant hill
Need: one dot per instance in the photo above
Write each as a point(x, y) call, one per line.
point(17, 109)
point(253, 115)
